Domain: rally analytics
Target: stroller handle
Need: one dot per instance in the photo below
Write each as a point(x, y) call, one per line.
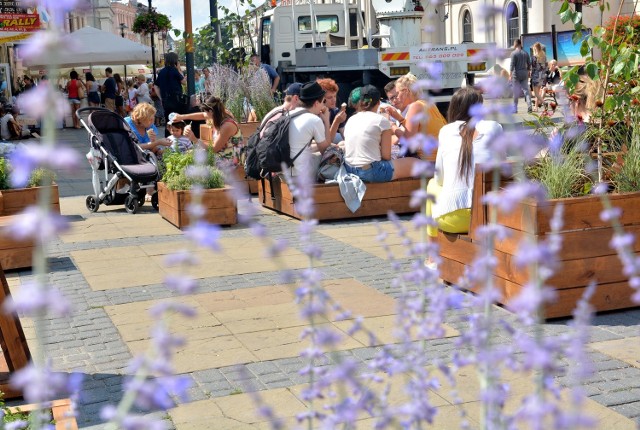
point(88, 110)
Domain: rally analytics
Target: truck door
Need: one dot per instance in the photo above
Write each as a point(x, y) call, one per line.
point(265, 40)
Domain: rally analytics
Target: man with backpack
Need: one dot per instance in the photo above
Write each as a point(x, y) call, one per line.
point(312, 125)
point(285, 136)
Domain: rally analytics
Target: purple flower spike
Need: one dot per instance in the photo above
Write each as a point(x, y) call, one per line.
point(180, 308)
point(608, 215)
point(39, 384)
point(37, 103)
point(33, 299)
point(34, 223)
point(28, 157)
point(181, 284)
point(205, 234)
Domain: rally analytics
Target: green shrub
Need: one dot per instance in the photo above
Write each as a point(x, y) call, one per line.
point(38, 176)
point(562, 173)
point(174, 164)
point(4, 174)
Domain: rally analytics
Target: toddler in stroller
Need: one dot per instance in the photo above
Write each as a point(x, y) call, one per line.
point(114, 149)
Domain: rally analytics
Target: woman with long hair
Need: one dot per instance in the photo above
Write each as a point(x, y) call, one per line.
point(120, 88)
point(461, 146)
point(93, 90)
point(73, 94)
point(538, 72)
point(414, 115)
point(367, 140)
point(227, 137)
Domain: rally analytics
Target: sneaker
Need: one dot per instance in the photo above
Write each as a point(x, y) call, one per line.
point(530, 109)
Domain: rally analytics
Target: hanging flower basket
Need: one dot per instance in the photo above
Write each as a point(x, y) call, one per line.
point(151, 22)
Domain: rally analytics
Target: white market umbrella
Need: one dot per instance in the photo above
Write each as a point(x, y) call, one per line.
point(96, 47)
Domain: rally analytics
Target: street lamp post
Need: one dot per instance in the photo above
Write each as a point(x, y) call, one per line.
point(123, 27)
point(153, 51)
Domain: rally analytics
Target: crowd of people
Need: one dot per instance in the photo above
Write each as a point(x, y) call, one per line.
point(533, 76)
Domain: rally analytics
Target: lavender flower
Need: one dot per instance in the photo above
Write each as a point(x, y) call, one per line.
point(204, 234)
point(28, 157)
point(38, 102)
point(34, 299)
point(34, 223)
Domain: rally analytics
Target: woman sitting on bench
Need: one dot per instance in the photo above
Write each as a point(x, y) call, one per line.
point(461, 146)
point(367, 137)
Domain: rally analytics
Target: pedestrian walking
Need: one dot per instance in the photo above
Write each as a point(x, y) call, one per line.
point(520, 68)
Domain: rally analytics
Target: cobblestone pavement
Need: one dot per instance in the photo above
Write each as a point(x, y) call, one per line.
point(109, 324)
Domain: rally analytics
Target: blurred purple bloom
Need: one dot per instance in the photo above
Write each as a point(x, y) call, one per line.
point(181, 257)
point(28, 157)
point(507, 199)
point(422, 168)
point(494, 87)
point(601, 188)
point(619, 241)
point(38, 101)
point(39, 384)
point(16, 425)
point(204, 234)
point(181, 284)
point(34, 223)
point(611, 214)
point(530, 299)
point(180, 308)
point(33, 299)
point(277, 247)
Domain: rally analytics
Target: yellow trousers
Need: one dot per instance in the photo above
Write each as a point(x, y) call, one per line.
point(453, 222)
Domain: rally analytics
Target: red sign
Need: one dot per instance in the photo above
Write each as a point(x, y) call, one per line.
point(19, 22)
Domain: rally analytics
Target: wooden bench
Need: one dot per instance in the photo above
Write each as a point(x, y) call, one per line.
point(329, 204)
point(585, 254)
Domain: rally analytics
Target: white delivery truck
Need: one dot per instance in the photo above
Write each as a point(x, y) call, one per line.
point(357, 42)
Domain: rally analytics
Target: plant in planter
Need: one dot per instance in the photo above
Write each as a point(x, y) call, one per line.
point(15, 200)
point(151, 21)
point(174, 195)
point(243, 91)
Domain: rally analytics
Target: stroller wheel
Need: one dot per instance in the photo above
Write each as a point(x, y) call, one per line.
point(92, 203)
point(131, 204)
point(154, 200)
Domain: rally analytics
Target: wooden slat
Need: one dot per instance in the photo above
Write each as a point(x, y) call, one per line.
point(329, 204)
point(607, 297)
point(16, 200)
point(579, 213)
point(14, 345)
point(14, 254)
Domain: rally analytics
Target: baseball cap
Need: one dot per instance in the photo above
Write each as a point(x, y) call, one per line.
point(294, 89)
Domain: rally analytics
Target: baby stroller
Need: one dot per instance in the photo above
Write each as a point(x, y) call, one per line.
point(114, 149)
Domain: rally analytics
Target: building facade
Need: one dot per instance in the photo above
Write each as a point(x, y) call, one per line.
point(464, 20)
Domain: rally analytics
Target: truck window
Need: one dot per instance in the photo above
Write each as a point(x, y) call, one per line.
point(265, 41)
point(324, 23)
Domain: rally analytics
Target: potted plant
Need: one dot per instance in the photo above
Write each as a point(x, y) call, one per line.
point(15, 200)
point(174, 195)
point(151, 21)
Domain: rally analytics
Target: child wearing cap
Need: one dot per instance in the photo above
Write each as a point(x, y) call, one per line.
point(179, 142)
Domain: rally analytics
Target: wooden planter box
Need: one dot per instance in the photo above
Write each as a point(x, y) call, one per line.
point(585, 255)
point(206, 133)
point(329, 204)
point(13, 254)
point(221, 208)
point(60, 411)
point(16, 200)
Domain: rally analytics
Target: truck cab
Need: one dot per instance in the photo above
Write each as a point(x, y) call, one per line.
point(359, 42)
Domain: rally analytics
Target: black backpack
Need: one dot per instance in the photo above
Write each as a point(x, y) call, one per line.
point(268, 147)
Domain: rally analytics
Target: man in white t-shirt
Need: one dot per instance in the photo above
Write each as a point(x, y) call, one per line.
point(313, 125)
